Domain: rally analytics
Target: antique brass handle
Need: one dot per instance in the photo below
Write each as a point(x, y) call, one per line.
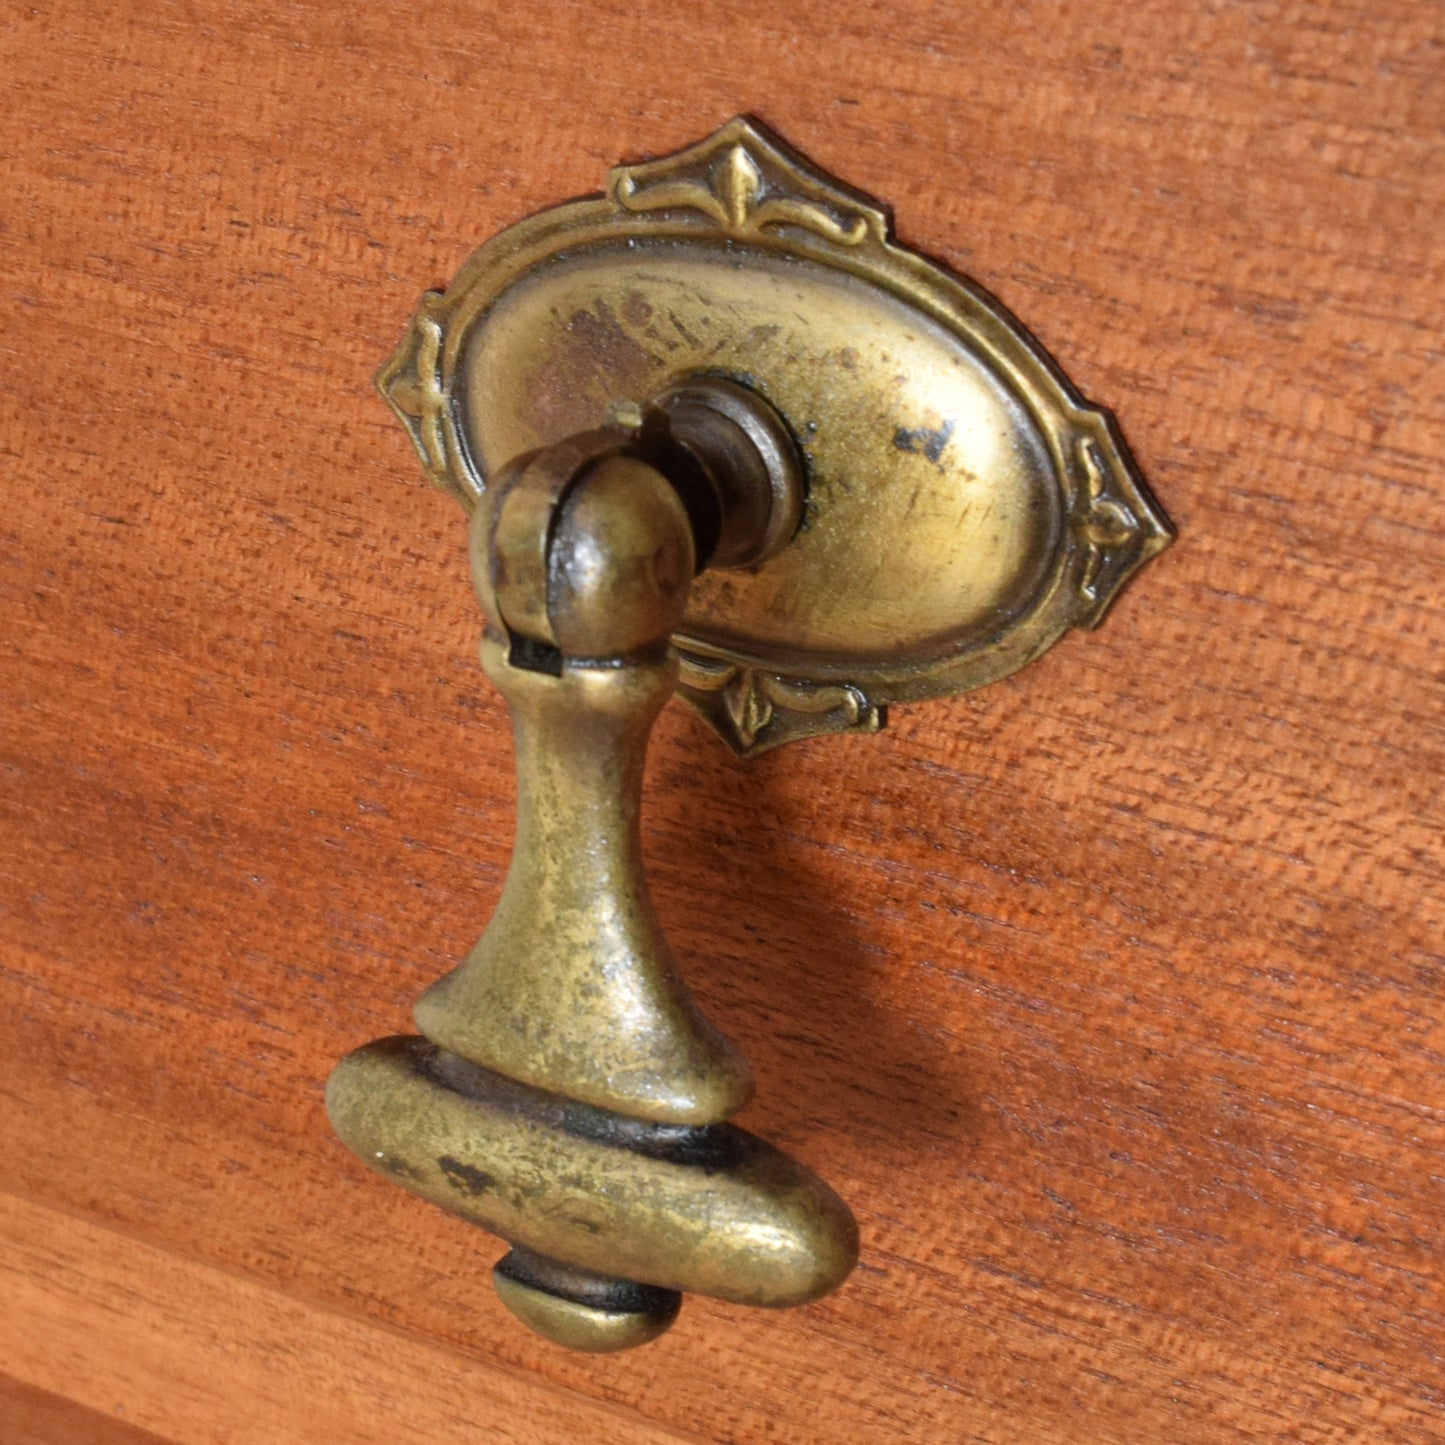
point(719, 433)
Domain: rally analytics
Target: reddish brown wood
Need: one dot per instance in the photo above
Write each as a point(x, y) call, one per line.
point(128, 1329)
point(36, 1417)
point(1111, 997)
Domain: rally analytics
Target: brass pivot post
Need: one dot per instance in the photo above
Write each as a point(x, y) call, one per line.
point(566, 1092)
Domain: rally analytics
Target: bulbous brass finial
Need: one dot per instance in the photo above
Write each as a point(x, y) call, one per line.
point(567, 1093)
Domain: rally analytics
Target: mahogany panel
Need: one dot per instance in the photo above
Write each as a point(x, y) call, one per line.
point(125, 1329)
point(37, 1417)
point(1109, 997)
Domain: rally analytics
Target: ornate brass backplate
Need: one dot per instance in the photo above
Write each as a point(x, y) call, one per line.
point(964, 506)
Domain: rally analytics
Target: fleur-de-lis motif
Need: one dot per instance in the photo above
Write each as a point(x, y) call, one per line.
point(757, 710)
point(1103, 523)
point(735, 192)
point(1115, 522)
point(411, 383)
point(738, 184)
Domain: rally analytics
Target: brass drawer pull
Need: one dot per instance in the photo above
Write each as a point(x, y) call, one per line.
point(716, 433)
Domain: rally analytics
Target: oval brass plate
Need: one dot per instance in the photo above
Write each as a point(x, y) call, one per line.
point(965, 506)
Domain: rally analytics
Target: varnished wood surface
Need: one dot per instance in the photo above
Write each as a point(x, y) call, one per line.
point(1110, 998)
point(127, 1329)
point(37, 1417)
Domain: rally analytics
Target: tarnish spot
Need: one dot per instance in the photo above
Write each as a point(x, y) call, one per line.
point(928, 442)
point(466, 1177)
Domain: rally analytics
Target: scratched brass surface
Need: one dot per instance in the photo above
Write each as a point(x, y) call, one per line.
point(573, 987)
point(715, 1212)
point(916, 450)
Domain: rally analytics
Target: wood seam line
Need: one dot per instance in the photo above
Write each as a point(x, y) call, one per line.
point(522, 1375)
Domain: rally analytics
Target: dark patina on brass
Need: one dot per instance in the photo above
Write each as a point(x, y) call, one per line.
point(718, 434)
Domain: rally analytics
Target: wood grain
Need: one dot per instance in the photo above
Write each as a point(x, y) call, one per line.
point(37, 1417)
point(1109, 997)
point(203, 1356)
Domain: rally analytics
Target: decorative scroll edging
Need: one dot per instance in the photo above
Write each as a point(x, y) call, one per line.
point(745, 184)
point(755, 710)
point(1114, 521)
point(411, 382)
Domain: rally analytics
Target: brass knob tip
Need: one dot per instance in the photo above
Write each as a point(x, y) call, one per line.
point(579, 1310)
